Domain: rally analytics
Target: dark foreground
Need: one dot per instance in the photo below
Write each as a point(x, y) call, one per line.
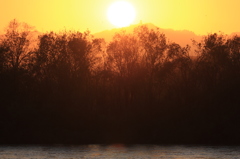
point(121, 127)
point(140, 88)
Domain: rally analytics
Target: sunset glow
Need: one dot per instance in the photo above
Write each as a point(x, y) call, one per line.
point(200, 17)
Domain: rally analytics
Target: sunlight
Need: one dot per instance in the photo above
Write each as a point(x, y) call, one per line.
point(121, 14)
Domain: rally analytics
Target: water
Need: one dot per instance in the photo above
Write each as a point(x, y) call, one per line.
point(118, 151)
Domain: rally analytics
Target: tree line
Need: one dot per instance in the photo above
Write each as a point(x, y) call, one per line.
point(70, 87)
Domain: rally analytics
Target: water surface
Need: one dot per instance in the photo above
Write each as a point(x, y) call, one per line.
point(118, 151)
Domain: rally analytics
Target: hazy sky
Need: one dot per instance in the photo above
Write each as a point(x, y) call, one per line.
point(199, 16)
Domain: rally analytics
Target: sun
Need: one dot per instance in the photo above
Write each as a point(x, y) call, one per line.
point(121, 13)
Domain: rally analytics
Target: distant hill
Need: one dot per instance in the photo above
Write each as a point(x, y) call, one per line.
point(235, 33)
point(182, 37)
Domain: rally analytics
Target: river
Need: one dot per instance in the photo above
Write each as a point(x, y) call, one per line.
point(118, 151)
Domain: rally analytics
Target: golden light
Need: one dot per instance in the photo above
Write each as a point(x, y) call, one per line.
point(121, 13)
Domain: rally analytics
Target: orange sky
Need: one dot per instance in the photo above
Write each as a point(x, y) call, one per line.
point(199, 16)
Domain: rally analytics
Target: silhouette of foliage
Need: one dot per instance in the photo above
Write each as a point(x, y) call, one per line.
point(138, 88)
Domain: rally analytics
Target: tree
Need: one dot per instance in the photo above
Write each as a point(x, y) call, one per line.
point(153, 48)
point(213, 61)
point(16, 45)
point(123, 54)
point(2, 59)
point(233, 46)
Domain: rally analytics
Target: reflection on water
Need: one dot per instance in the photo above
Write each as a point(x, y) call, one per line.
point(118, 151)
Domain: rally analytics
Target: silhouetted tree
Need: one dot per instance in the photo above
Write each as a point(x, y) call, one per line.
point(16, 44)
point(140, 87)
point(153, 44)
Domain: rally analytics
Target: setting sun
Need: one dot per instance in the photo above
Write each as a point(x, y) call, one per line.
point(121, 14)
